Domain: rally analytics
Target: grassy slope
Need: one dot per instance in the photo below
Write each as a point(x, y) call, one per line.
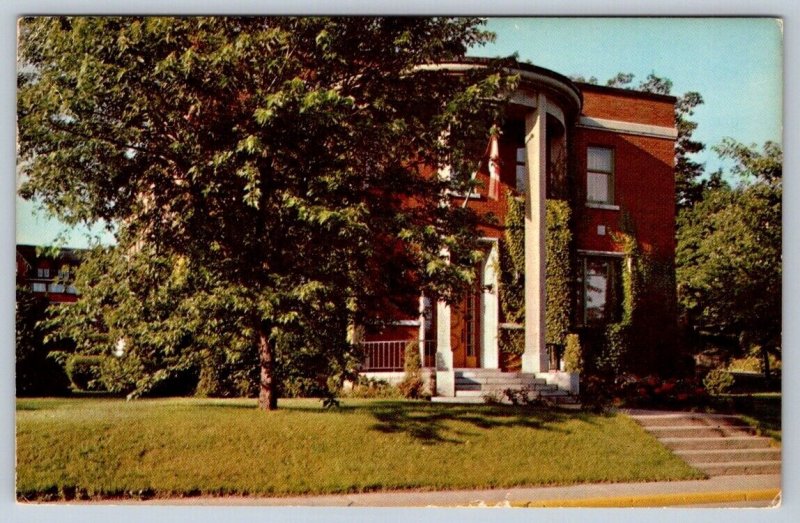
point(189, 446)
point(760, 410)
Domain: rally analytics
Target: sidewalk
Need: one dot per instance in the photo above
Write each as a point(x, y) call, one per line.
point(738, 491)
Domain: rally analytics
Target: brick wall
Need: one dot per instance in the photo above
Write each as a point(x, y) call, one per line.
point(627, 106)
point(644, 180)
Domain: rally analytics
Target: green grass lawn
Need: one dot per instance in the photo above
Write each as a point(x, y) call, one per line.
point(761, 410)
point(178, 447)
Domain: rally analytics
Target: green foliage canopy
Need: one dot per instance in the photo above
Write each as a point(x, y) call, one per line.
point(728, 257)
point(287, 159)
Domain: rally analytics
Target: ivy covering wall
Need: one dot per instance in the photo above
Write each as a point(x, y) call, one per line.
point(558, 275)
point(647, 321)
point(511, 270)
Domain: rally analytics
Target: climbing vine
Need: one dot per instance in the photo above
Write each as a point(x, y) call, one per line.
point(647, 310)
point(511, 270)
point(512, 262)
point(558, 276)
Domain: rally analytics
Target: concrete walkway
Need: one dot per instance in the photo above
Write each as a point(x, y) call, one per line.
point(739, 491)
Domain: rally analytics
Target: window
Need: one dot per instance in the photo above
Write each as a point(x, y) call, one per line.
point(600, 175)
point(43, 272)
point(600, 293)
point(56, 287)
point(521, 171)
point(39, 287)
point(63, 273)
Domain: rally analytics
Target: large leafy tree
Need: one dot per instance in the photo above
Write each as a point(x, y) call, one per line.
point(729, 253)
point(286, 161)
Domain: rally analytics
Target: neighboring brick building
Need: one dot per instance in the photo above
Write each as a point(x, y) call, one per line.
point(608, 152)
point(49, 276)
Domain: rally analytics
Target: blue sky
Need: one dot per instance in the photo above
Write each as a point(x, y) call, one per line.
point(735, 64)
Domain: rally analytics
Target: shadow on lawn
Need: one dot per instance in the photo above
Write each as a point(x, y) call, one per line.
point(430, 423)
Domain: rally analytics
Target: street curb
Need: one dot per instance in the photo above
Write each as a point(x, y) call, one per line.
point(658, 500)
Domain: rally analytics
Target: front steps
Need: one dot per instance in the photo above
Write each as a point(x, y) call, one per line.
point(472, 385)
point(717, 444)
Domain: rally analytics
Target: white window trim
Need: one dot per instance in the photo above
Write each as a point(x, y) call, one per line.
point(611, 180)
point(604, 206)
point(456, 194)
point(584, 252)
point(405, 323)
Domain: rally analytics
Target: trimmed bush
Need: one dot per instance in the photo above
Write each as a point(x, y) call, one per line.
point(511, 341)
point(573, 354)
point(718, 382)
point(84, 372)
point(412, 385)
point(372, 388)
point(120, 374)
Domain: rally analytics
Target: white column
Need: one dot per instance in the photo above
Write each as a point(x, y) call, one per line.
point(421, 331)
point(489, 311)
point(534, 359)
point(445, 374)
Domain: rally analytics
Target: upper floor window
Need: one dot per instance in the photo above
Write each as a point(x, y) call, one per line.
point(600, 175)
point(43, 272)
point(521, 171)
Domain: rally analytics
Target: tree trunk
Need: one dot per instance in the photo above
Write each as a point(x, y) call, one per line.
point(267, 396)
point(767, 372)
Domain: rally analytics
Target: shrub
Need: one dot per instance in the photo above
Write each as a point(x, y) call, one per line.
point(526, 396)
point(573, 354)
point(412, 385)
point(718, 381)
point(598, 392)
point(36, 372)
point(372, 388)
point(120, 374)
point(616, 348)
point(301, 387)
point(493, 397)
point(746, 364)
point(84, 372)
point(511, 343)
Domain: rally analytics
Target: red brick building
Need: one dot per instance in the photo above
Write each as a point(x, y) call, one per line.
point(609, 153)
point(48, 276)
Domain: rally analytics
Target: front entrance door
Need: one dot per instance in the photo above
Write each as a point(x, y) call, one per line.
point(465, 333)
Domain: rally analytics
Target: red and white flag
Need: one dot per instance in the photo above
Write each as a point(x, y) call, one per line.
point(494, 168)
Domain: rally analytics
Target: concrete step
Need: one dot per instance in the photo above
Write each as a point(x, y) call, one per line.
point(499, 379)
point(729, 442)
point(736, 468)
point(479, 373)
point(478, 393)
point(488, 382)
point(539, 389)
point(458, 399)
point(669, 420)
point(729, 455)
point(538, 392)
point(699, 431)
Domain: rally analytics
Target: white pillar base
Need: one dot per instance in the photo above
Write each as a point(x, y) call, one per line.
point(445, 373)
